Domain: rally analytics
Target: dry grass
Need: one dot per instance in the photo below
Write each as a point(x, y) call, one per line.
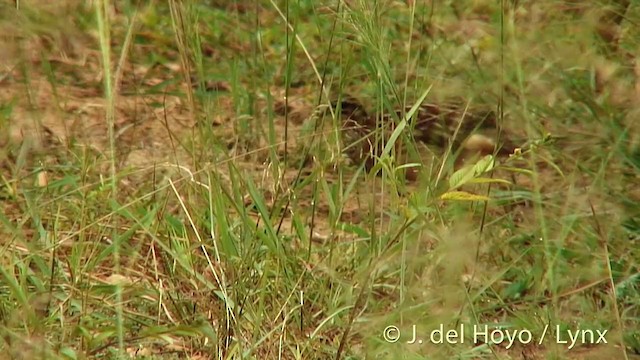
point(203, 208)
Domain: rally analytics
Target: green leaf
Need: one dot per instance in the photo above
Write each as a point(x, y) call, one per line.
point(409, 165)
point(403, 123)
point(257, 198)
point(484, 165)
point(489, 180)
point(517, 170)
point(463, 196)
point(467, 173)
point(460, 177)
point(68, 353)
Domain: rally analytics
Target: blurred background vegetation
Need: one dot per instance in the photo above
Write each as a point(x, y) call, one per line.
point(173, 183)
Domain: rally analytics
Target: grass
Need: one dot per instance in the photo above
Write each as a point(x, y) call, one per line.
point(173, 183)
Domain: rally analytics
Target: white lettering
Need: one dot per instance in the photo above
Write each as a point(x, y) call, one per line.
point(601, 335)
point(436, 335)
point(477, 333)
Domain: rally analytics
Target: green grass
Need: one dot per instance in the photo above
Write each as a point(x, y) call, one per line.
point(173, 184)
